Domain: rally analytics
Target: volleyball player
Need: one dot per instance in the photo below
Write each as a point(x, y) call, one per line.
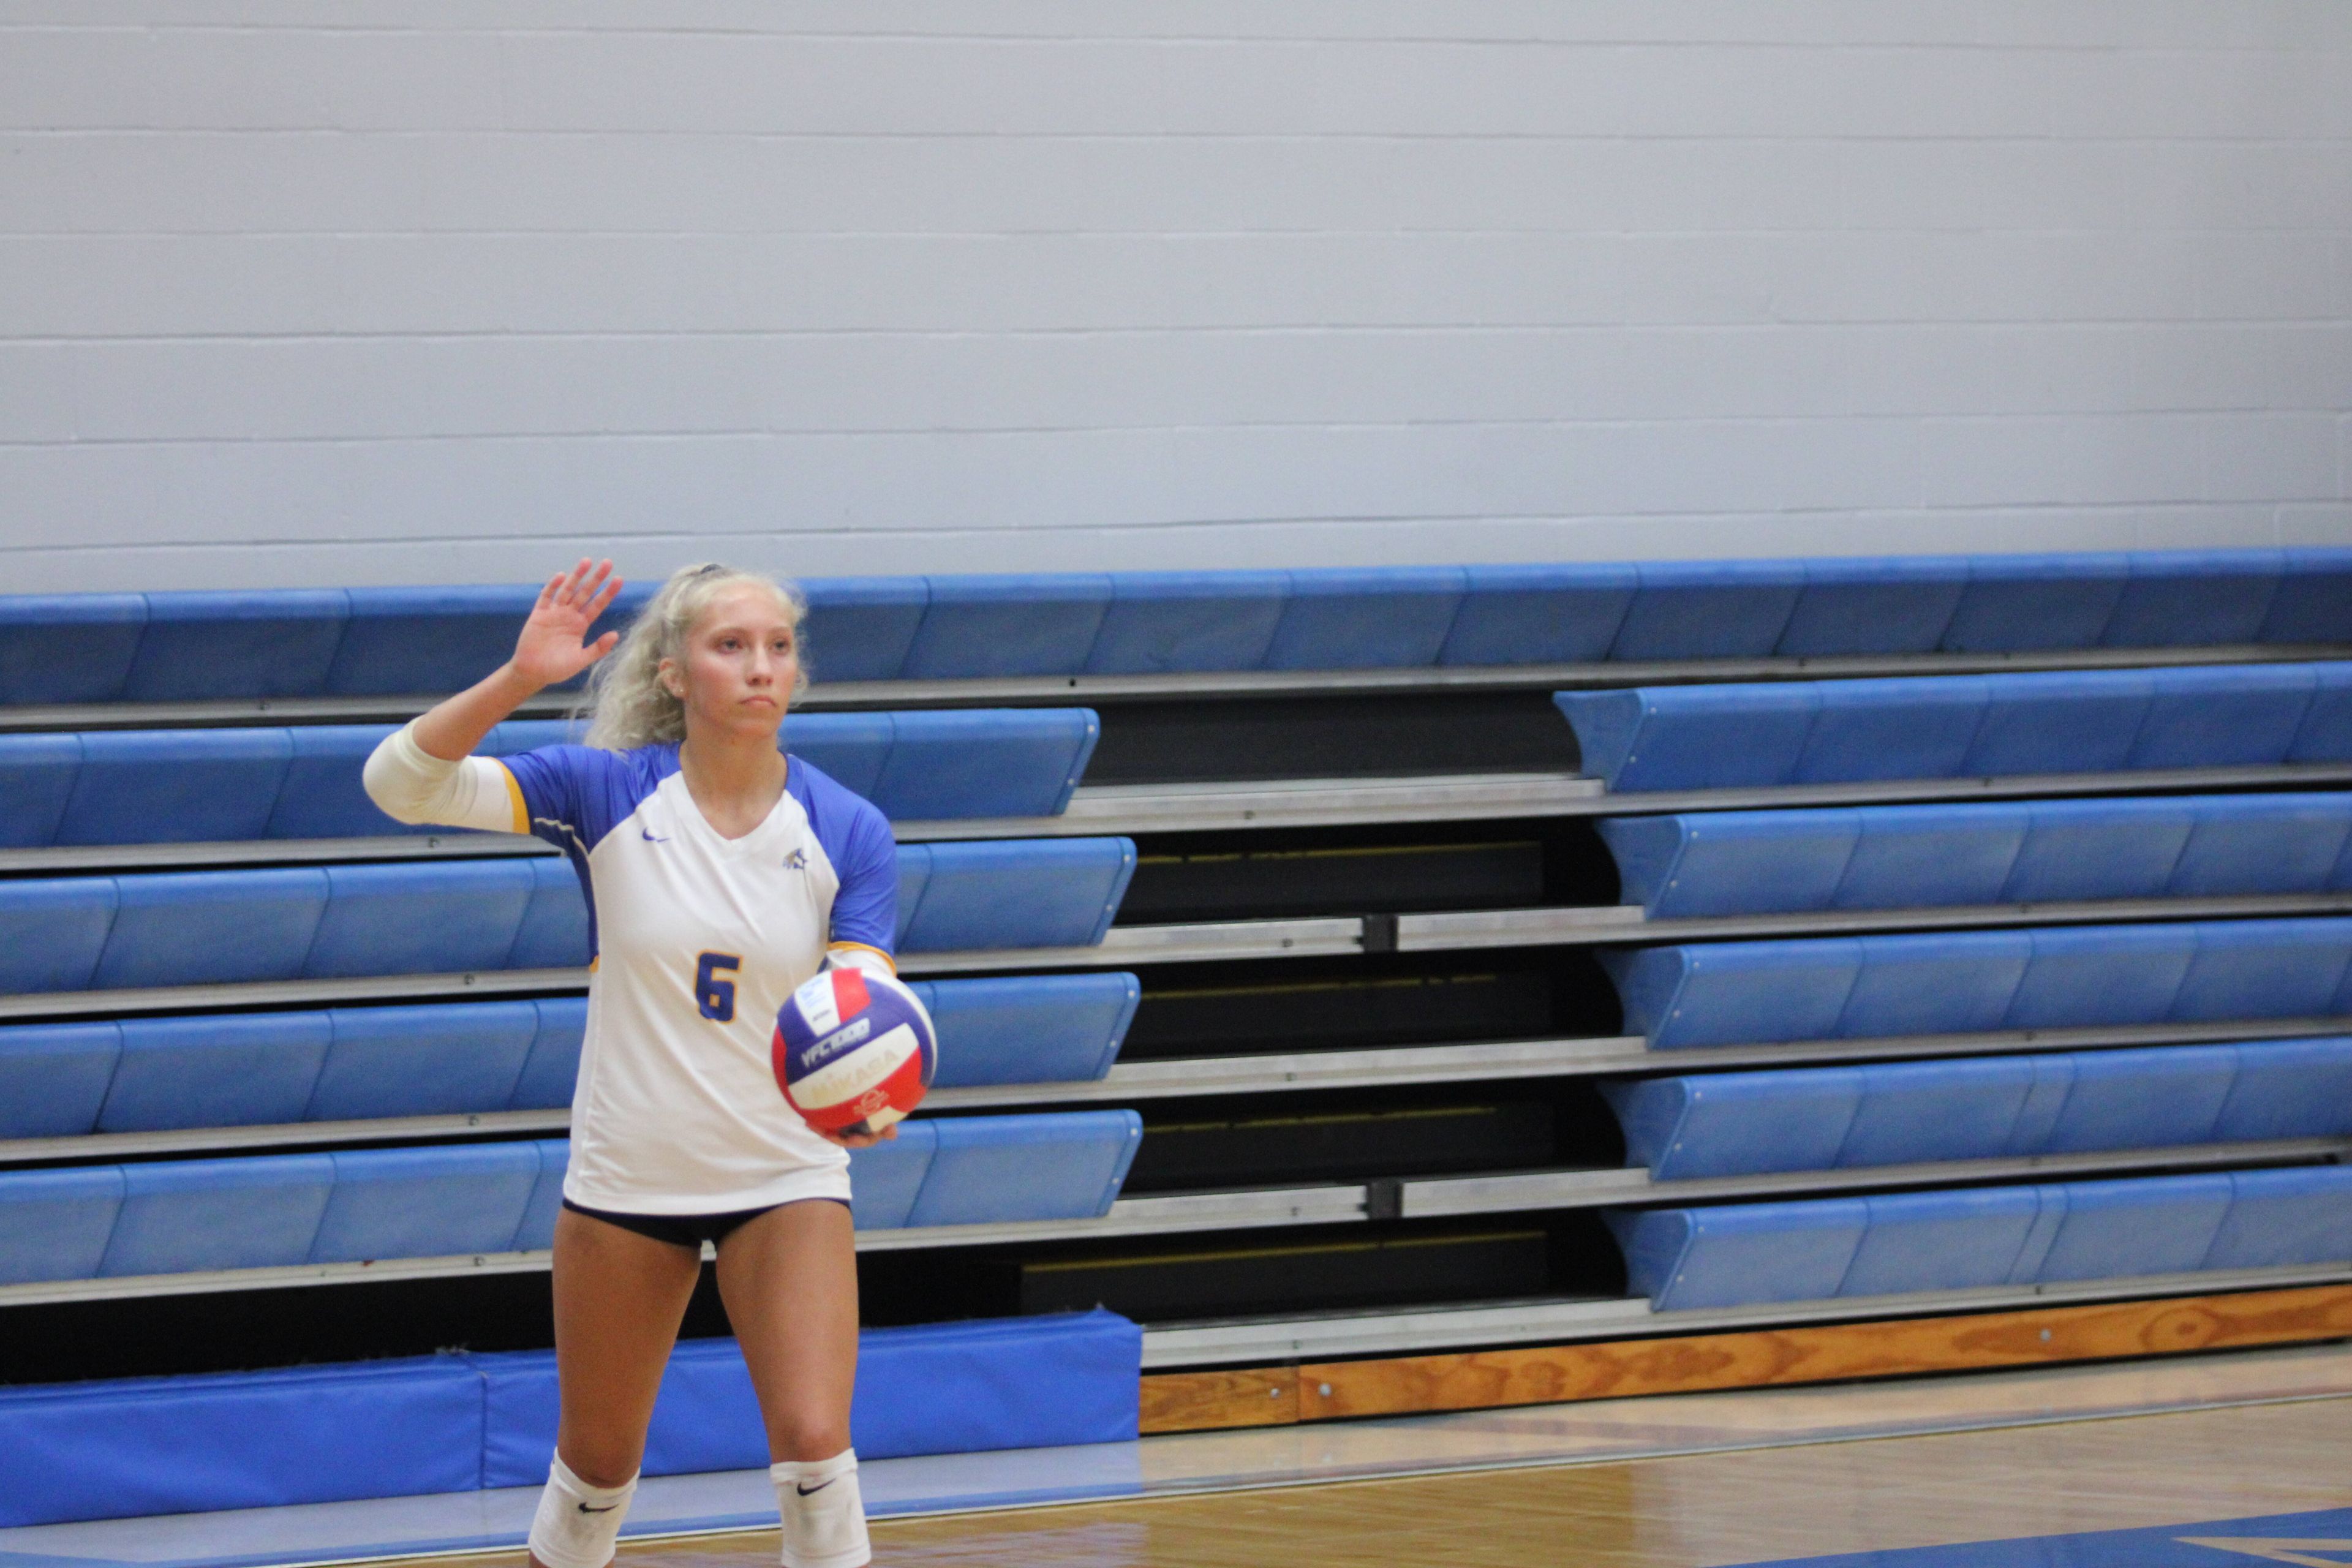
point(721, 875)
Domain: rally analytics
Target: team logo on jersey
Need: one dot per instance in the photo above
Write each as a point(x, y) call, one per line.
point(796, 861)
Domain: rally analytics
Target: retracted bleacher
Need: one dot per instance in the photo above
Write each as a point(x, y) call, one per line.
point(1337, 962)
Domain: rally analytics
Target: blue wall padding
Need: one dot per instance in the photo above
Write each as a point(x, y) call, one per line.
point(435, 1059)
point(995, 1169)
point(2325, 735)
point(52, 930)
point(2313, 603)
point(1891, 729)
point(2223, 716)
point(270, 643)
point(2019, 602)
point(1031, 1028)
point(67, 647)
point(2075, 850)
point(210, 928)
point(859, 628)
point(234, 1070)
point(420, 918)
point(2059, 722)
point(37, 778)
point(1380, 617)
point(413, 641)
point(325, 1434)
point(1731, 993)
point(1043, 624)
point(1738, 1254)
point(1538, 614)
point(1049, 892)
point(54, 1077)
point(1709, 609)
point(54, 1225)
point(1175, 622)
point(188, 1216)
point(410, 1202)
point(2192, 598)
point(1866, 606)
point(986, 763)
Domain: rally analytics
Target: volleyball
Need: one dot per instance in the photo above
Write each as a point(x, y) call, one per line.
point(853, 1050)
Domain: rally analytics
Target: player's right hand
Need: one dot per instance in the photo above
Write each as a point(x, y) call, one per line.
point(553, 646)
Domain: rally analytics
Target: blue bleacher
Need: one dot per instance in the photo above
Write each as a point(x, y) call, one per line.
point(236, 1069)
point(1691, 865)
point(225, 786)
point(1767, 733)
point(1699, 1125)
point(184, 1216)
point(1717, 994)
point(1739, 1254)
point(413, 641)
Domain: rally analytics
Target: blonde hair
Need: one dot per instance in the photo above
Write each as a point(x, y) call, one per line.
point(626, 704)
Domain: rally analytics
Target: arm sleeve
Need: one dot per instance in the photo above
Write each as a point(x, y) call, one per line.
point(410, 784)
point(866, 909)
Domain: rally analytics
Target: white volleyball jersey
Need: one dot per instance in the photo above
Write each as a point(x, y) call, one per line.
point(699, 939)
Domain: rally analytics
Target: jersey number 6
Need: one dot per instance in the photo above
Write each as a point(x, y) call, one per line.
point(716, 996)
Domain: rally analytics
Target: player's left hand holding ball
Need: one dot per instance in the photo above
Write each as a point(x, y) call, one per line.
point(853, 1051)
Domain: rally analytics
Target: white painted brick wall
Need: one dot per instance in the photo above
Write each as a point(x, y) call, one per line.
point(416, 291)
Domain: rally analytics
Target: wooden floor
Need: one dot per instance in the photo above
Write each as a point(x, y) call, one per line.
point(1697, 1512)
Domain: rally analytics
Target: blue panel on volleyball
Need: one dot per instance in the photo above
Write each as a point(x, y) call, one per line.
point(885, 1179)
point(37, 778)
point(2194, 598)
point(551, 1070)
point(2264, 968)
point(212, 928)
point(421, 920)
point(53, 1077)
point(1380, 617)
point(1031, 1029)
point(1691, 737)
point(554, 930)
point(2098, 849)
point(1708, 609)
point(850, 747)
point(318, 1434)
point(2281, 1218)
point(1011, 626)
point(1539, 615)
point(1893, 728)
point(2313, 603)
point(1875, 606)
point(2289, 1088)
point(1940, 1241)
point(2112, 1230)
point(536, 1230)
point(2060, 722)
point(1733, 862)
point(1935, 983)
point(2014, 602)
point(210, 645)
point(1166, 623)
point(1918, 1113)
point(67, 647)
point(989, 762)
point(1733, 992)
point(1001, 1168)
point(1736, 1124)
point(191, 1216)
point(176, 785)
point(2325, 733)
point(860, 628)
point(322, 797)
point(2222, 716)
point(1035, 892)
point(54, 1225)
point(442, 1059)
point(2143, 1098)
point(2262, 844)
point(2101, 974)
point(1922, 856)
point(425, 1202)
point(52, 930)
point(234, 1070)
point(425, 641)
point(1735, 1254)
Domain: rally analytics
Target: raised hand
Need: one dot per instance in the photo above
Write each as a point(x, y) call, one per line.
point(553, 646)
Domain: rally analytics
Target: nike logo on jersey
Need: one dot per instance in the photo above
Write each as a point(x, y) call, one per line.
point(796, 861)
point(650, 838)
point(606, 1509)
point(806, 1491)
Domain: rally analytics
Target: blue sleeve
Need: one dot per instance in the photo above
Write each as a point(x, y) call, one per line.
point(857, 840)
point(575, 795)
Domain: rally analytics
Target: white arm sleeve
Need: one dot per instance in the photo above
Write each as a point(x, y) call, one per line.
point(857, 955)
point(411, 785)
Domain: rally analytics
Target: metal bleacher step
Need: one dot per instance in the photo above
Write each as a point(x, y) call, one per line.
point(1333, 1337)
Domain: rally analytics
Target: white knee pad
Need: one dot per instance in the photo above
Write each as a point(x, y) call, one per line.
point(578, 1525)
point(825, 1518)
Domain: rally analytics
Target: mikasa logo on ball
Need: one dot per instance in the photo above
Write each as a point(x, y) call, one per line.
point(860, 1071)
